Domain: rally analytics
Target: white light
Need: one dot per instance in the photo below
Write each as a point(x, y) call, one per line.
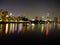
point(50, 20)
point(42, 17)
point(7, 16)
point(0, 20)
point(33, 24)
point(45, 20)
point(10, 13)
point(32, 19)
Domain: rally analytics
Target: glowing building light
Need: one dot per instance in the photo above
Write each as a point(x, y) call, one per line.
point(33, 24)
point(32, 19)
point(42, 18)
point(7, 15)
point(6, 30)
point(0, 20)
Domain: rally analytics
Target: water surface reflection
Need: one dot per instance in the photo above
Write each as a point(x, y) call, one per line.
point(23, 27)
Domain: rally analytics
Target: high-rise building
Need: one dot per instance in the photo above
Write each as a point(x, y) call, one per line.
point(47, 17)
point(55, 19)
point(40, 18)
point(36, 18)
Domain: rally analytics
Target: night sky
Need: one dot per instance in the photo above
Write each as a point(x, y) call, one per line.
point(31, 8)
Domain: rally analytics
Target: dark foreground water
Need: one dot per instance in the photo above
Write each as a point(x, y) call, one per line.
point(36, 34)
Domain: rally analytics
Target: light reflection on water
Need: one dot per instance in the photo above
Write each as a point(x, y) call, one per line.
point(41, 27)
point(11, 28)
point(47, 29)
point(58, 26)
point(6, 29)
point(0, 27)
point(33, 26)
point(15, 27)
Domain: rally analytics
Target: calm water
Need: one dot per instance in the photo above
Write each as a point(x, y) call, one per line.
point(30, 32)
point(12, 28)
point(17, 28)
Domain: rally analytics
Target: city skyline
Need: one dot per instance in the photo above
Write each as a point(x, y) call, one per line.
point(32, 8)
